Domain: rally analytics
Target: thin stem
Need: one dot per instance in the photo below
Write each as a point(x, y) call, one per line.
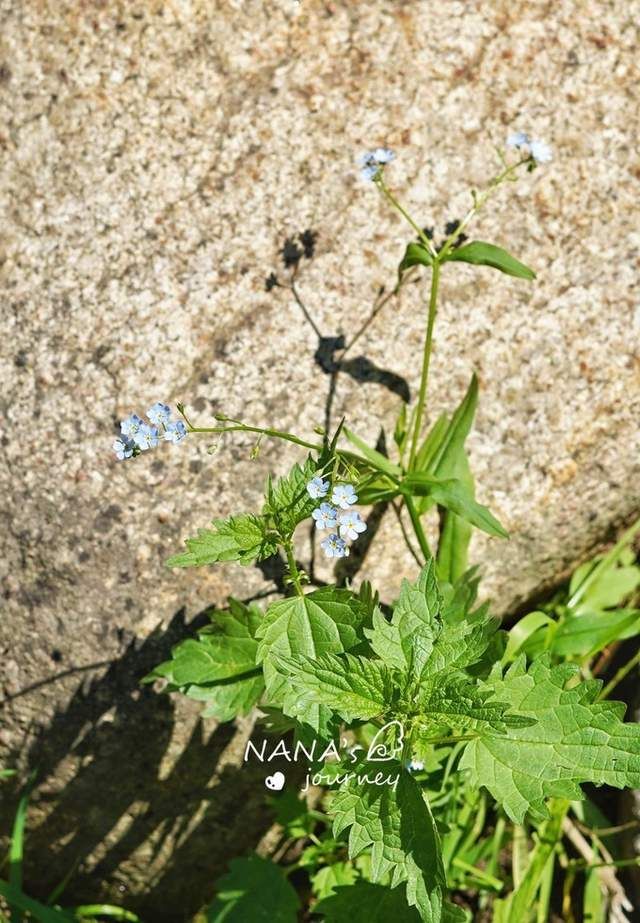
point(424, 378)
point(417, 527)
point(620, 675)
point(478, 201)
point(244, 428)
point(384, 189)
point(294, 573)
point(405, 535)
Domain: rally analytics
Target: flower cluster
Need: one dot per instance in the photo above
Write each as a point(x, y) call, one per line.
point(336, 516)
point(539, 151)
point(138, 436)
point(371, 161)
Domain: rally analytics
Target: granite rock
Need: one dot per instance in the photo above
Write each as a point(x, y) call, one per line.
point(155, 157)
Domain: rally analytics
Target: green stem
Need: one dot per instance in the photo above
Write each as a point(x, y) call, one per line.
point(417, 527)
point(478, 201)
point(244, 428)
point(384, 189)
point(424, 378)
point(620, 675)
point(294, 573)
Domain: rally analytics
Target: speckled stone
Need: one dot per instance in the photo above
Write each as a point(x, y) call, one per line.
point(154, 157)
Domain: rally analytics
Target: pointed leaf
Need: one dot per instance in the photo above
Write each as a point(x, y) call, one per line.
point(243, 538)
point(482, 254)
point(398, 826)
point(454, 496)
point(354, 687)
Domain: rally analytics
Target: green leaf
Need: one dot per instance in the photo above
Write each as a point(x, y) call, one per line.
point(326, 621)
point(482, 254)
point(458, 702)
point(415, 255)
point(243, 538)
point(455, 532)
point(329, 877)
point(446, 459)
point(576, 739)
point(364, 902)
point(226, 700)
point(288, 502)
point(406, 641)
point(254, 891)
point(590, 632)
point(433, 440)
point(454, 496)
point(21, 902)
point(354, 687)
point(460, 645)
point(398, 827)
point(610, 587)
point(219, 667)
point(225, 649)
point(376, 459)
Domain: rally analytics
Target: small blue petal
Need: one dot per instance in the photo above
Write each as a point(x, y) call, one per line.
point(159, 414)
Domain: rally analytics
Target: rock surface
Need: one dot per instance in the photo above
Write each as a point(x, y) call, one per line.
point(155, 155)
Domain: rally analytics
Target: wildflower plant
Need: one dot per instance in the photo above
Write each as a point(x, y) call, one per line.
point(491, 733)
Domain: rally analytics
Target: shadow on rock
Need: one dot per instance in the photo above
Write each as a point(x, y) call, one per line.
point(135, 798)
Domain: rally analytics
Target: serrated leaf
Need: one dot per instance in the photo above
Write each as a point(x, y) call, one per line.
point(398, 828)
point(460, 645)
point(575, 739)
point(219, 666)
point(288, 501)
point(365, 902)
point(354, 687)
point(244, 538)
point(329, 877)
point(406, 641)
point(224, 649)
point(480, 253)
point(254, 891)
point(327, 621)
point(453, 495)
point(228, 699)
point(459, 702)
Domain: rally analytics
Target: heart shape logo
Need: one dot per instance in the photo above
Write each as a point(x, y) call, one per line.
point(275, 782)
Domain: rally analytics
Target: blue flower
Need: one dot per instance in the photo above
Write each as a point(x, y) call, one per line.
point(540, 151)
point(351, 525)
point(175, 432)
point(383, 155)
point(344, 496)
point(124, 448)
point(371, 161)
point(317, 488)
point(131, 425)
point(146, 437)
point(325, 516)
point(335, 547)
point(518, 139)
point(160, 414)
